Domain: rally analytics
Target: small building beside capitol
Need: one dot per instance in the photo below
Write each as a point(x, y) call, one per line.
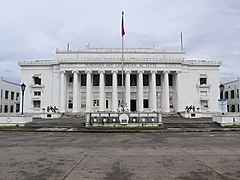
point(90, 80)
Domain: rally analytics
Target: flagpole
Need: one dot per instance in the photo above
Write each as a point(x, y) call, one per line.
point(123, 33)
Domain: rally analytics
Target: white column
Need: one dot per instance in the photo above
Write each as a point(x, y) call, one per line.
point(89, 92)
point(162, 93)
point(114, 91)
point(101, 91)
point(166, 92)
point(140, 91)
point(178, 90)
point(62, 91)
point(128, 89)
point(75, 91)
point(153, 92)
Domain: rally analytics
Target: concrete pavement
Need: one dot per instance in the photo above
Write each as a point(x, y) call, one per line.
point(58, 155)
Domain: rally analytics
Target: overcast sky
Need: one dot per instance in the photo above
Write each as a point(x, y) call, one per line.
point(33, 29)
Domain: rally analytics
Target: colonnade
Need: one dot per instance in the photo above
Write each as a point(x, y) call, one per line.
point(165, 102)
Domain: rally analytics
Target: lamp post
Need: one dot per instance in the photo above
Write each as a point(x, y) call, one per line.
point(23, 87)
point(221, 87)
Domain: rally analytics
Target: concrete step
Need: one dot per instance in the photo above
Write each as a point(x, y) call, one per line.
point(192, 125)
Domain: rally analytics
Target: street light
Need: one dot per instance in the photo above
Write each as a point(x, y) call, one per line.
point(221, 87)
point(23, 87)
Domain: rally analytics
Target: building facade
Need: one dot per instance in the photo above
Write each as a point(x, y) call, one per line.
point(90, 80)
point(231, 95)
point(10, 97)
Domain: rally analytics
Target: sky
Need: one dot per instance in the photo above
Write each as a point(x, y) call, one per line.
point(33, 29)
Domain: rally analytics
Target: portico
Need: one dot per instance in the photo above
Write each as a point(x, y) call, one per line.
point(90, 80)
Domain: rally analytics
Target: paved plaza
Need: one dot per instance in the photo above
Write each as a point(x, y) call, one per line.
point(112, 156)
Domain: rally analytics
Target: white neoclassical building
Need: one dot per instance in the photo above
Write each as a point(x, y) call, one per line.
point(90, 80)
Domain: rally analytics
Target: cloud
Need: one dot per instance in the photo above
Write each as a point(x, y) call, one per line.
point(34, 29)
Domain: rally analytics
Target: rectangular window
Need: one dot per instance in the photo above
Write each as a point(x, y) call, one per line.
point(203, 81)
point(170, 78)
point(145, 103)
point(12, 95)
point(233, 108)
point(106, 104)
point(5, 108)
point(108, 80)
point(83, 79)
point(95, 102)
point(11, 109)
point(70, 79)
point(1, 93)
point(158, 79)
point(226, 94)
point(6, 94)
point(119, 79)
point(145, 80)
point(0, 108)
point(17, 96)
point(37, 80)
point(37, 93)
point(133, 80)
point(95, 79)
point(237, 93)
point(36, 104)
point(17, 108)
point(232, 94)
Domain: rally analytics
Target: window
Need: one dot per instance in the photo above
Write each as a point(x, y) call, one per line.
point(226, 94)
point(5, 108)
point(6, 94)
point(37, 93)
point(37, 80)
point(17, 96)
point(170, 78)
point(95, 102)
point(17, 108)
point(70, 104)
point(233, 108)
point(0, 108)
point(70, 79)
point(133, 80)
point(95, 79)
point(145, 103)
point(158, 79)
point(119, 79)
point(237, 93)
point(232, 94)
point(11, 109)
point(106, 104)
point(108, 80)
point(36, 104)
point(145, 80)
point(1, 93)
point(203, 81)
point(83, 79)
point(12, 95)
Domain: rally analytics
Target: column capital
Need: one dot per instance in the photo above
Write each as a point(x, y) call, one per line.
point(101, 71)
point(75, 71)
point(166, 72)
point(153, 71)
point(140, 71)
point(128, 71)
point(88, 71)
point(114, 71)
point(62, 71)
point(178, 72)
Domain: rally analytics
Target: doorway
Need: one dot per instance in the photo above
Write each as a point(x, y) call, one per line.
point(133, 103)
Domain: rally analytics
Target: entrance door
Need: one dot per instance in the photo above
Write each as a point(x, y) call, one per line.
point(133, 104)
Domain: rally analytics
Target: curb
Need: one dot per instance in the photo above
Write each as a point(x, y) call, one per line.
point(82, 130)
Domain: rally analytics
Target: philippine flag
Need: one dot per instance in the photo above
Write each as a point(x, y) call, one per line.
point(123, 32)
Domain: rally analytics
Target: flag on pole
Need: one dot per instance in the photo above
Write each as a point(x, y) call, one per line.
point(123, 32)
